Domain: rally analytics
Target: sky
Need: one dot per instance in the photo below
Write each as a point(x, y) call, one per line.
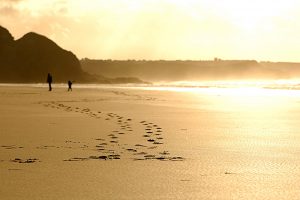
point(263, 30)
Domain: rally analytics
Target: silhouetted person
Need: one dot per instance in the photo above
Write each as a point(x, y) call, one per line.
point(70, 85)
point(49, 81)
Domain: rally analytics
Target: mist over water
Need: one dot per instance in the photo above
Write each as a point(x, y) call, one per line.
point(272, 84)
point(285, 84)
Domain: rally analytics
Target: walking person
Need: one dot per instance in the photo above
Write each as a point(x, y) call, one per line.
point(49, 81)
point(70, 85)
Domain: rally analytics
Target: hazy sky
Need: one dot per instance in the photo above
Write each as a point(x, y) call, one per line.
point(162, 29)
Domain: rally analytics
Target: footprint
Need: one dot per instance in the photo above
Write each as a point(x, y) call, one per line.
point(141, 153)
point(178, 158)
point(108, 157)
point(164, 153)
point(76, 159)
point(132, 150)
point(149, 156)
point(161, 158)
point(100, 139)
point(157, 142)
point(29, 160)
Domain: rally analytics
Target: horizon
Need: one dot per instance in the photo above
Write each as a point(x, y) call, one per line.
point(162, 30)
point(182, 60)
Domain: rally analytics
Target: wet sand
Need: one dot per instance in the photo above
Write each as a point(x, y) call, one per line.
point(122, 143)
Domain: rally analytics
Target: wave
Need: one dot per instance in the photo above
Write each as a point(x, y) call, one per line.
point(273, 84)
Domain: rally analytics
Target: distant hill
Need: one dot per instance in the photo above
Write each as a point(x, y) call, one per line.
point(32, 57)
point(192, 70)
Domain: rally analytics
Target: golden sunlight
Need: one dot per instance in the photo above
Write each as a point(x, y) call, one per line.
point(163, 29)
point(149, 99)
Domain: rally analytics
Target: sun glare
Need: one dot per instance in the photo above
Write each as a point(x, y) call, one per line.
point(168, 29)
point(244, 15)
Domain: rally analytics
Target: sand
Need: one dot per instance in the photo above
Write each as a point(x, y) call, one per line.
point(129, 143)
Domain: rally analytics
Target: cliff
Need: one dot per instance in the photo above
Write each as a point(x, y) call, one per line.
point(30, 58)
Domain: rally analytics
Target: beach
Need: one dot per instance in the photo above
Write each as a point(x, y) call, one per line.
point(148, 143)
